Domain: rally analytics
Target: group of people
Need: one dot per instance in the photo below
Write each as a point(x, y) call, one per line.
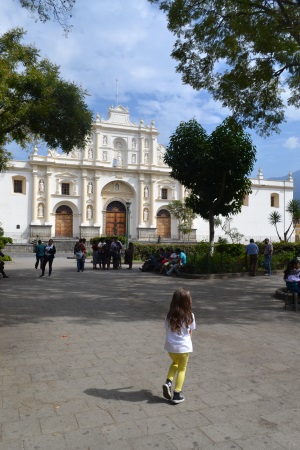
point(110, 252)
point(45, 254)
point(166, 262)
point(252, 250)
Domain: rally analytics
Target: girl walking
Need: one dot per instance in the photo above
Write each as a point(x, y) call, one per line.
point(180, 322)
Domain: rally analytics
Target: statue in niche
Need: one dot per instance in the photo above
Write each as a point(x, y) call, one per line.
point(104, 156)
point(117, 187)
point(120, 159)
point(41, 210)
point(160, 157)
point(146, 192)
point(146, 143)
point(89, 212)
point(146, 158)
point(133, 158)
point(41, 186)
point(133, 144)
point(104, 140)
point(90, 188)
point(90, 153)
point(118, 145)
point(146, 215)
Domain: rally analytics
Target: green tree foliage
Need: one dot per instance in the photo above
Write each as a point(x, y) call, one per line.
point(293, 208)
point(243, 52)
point(58, 10)
point(35, 102)
point(185, 215)
point(214, 168)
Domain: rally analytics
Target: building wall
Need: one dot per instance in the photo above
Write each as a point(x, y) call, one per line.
point(121, 162)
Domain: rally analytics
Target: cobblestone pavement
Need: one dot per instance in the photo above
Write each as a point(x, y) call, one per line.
point(82, 363)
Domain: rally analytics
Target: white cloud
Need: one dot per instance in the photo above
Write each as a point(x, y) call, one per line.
point(292, 143)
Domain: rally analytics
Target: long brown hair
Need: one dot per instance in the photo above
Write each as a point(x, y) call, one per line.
point(180, 311)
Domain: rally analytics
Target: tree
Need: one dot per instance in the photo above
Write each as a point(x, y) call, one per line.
point(185, 216)
point(243, 52)
point(35, 103)
point(59, 10)
point(274, 219)
point(293, 208)
point(232, 233)
point(214, 167)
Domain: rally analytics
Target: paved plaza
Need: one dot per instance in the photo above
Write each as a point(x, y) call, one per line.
point(82, 362)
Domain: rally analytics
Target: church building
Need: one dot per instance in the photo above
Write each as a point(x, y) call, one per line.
point(117, 185)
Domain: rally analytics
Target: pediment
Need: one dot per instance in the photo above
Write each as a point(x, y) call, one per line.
point(119, 115)
point(65, 175)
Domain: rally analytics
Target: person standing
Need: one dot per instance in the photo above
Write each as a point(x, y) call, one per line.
point(268, 252)
point(39, 254)
point(50, 251)
point(179, 323)
point(129, 255)
point(252, 251)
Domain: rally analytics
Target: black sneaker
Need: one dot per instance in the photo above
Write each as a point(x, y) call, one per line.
point(167, 389)
point(177, 398)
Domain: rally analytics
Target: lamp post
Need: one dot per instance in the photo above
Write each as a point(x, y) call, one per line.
point(127, 221)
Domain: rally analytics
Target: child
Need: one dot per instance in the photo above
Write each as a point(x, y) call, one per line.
point(180, 322)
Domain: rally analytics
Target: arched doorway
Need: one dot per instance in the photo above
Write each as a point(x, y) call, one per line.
point(115, 219)
point(163, 223)
point(64, 221)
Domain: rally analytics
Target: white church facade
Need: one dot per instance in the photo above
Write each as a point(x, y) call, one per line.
point(117, 184)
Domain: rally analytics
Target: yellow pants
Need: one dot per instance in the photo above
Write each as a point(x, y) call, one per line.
point(178, 365)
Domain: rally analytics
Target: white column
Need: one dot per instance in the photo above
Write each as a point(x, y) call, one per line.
point(34, 196)
point(152, 204)
point(153, 157)
point(97, 155)
point(97, 194)
point(141, 150)
point(48, 197)
point(83, 199)
point(140, 203)
point(182, 193)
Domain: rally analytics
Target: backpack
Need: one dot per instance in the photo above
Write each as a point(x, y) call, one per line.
point(76, 248)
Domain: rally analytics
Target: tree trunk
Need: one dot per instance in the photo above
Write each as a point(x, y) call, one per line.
point(211, 233)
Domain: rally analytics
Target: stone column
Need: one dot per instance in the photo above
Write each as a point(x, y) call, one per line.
point(83, 199)
point(97, 195)
point(182, 193)
point(141, 150)
point(152, 205)
point(153, 156)
point(140, 202)
point(34, 196)
point(97, 155)
point(48, 197)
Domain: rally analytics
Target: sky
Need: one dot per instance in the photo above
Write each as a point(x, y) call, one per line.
point(128, 41)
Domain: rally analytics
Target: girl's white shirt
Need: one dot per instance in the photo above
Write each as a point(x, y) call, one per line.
point(179, 341)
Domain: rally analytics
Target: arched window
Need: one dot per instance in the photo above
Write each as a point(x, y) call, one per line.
point(246, 200)
point(275, 200)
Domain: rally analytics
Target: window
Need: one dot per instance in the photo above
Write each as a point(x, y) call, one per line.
point(65, 188)
point(164, 194)
point(246, 200)
point(18, 186)
point(275, 200)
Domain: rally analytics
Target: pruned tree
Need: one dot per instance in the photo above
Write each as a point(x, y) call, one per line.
point(35, 102)
point(214, 168)
point(245, 53)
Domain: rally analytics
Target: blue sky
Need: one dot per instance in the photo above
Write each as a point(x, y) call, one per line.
point(128, 40)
